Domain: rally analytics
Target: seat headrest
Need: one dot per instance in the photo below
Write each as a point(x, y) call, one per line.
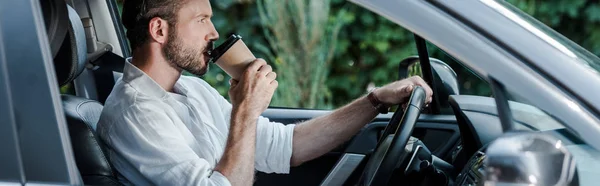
point(56, 21)
point(72, 55)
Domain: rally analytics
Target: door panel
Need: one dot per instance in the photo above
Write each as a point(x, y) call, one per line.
point(440, 138)
point(439, 133)
point(309, 173)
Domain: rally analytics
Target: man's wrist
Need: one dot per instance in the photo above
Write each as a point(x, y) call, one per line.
point(376, 102)
point(242, 115)
point(244, 109)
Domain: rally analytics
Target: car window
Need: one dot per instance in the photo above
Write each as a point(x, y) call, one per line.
point(346, 52)
point(321, 64)
point(355, 51)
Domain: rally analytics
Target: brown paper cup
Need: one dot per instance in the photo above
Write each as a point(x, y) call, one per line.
point(235, 60)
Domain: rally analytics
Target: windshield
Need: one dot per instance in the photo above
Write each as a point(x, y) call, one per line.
point(584, 57)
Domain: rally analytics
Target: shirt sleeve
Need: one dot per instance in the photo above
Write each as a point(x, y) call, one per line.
point(273, 140)
point(273, 146)
point(149, 141)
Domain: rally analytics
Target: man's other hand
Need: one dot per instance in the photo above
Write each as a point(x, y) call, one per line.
point(254, 90)
point(399, 92)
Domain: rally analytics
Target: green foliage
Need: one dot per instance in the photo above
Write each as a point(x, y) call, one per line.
point(368, 52)
point(578, 20)
point(368, 46)
point(303, 37)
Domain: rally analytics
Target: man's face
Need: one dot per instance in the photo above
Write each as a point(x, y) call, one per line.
point(188, 41)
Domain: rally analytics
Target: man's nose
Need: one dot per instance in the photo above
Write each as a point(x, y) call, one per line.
point(213, 35)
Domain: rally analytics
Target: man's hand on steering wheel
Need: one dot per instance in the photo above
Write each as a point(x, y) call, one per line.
point(390, 151)
point(399, 92)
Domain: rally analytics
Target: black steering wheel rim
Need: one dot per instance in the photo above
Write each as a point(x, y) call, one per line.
point(378, 171)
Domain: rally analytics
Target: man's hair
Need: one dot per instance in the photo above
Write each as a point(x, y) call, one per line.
point(138, 13)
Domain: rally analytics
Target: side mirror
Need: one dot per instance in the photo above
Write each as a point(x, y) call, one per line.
point(443, 75)
point(526, 158)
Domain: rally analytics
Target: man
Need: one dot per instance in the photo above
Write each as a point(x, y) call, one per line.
point(166, 129)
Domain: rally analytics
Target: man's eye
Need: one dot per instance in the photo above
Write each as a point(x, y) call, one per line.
point(203, 20)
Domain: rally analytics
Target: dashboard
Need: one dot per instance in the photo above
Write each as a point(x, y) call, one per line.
point(479, 125)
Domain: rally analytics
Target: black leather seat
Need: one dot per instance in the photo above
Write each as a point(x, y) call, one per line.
point(82, 114)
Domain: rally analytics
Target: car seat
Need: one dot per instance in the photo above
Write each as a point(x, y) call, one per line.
point(82, 114)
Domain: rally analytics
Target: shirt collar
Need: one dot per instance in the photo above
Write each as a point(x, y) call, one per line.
point(139, 80)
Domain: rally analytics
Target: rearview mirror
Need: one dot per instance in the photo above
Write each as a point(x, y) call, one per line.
point(527, 158)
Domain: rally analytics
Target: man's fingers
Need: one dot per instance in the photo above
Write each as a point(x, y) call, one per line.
point(419, 81)
point(408, 89)
point(428, 91)
point(271, 75)
point(265, 70)
point(274, 84)
point(255, 65)
point(429, 94)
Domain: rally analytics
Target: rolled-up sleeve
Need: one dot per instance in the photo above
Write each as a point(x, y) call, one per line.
point(273, 141)
point(151, 144)
point(273, 146)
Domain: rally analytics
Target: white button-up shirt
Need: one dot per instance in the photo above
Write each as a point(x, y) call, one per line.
point(157, 137)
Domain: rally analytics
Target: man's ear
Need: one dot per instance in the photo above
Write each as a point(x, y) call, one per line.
point(158, 29)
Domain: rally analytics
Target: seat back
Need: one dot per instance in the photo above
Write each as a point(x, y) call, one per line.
point(82, 114)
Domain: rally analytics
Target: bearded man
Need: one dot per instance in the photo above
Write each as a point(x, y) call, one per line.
point(163, 128)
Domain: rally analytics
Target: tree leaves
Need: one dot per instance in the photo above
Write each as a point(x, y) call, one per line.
point(369, 46)
point(223, 4)
point(593, 13)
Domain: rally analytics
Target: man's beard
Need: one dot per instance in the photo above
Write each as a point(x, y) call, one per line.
point(185, 58)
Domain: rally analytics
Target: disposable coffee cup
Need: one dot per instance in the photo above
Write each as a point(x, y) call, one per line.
point(233, 57)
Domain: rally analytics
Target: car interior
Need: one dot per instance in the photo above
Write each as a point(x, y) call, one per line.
point(419, 146)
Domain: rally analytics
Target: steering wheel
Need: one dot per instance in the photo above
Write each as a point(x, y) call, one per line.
point(390, 150)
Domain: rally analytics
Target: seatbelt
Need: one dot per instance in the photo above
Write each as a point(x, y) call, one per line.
point(105, 65)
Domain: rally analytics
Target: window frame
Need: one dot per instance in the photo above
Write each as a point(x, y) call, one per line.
point(119, 29)
point(11, 170)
